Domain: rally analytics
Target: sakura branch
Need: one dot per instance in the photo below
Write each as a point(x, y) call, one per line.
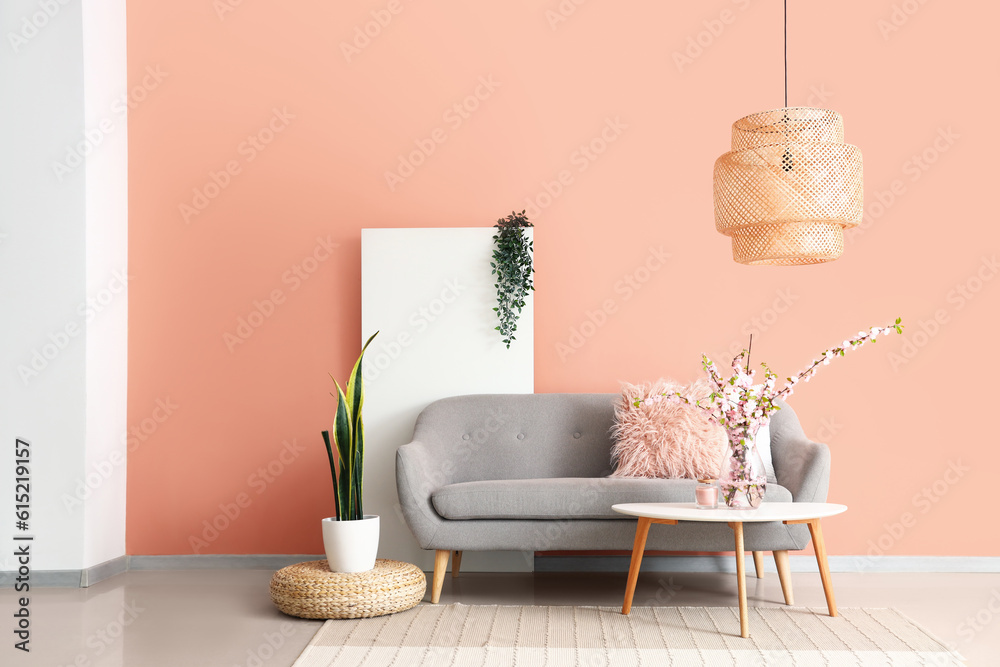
point(742, 407)
point(737, 400)
point(853, 344)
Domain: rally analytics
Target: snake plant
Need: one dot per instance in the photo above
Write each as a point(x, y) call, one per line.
point(349, 439)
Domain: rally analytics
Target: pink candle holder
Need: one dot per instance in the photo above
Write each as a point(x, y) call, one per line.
point(706, 494)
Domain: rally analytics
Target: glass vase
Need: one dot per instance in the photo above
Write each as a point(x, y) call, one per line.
point(742, 478)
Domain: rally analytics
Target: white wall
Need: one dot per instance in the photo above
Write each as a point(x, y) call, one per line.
point(61, 231)
point(42, 269)
point(430, 294)
point(106, 174)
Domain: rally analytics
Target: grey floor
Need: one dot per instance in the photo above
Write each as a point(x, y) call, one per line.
point(224, 617)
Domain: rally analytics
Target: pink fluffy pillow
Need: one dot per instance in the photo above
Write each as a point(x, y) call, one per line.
point(667, 439)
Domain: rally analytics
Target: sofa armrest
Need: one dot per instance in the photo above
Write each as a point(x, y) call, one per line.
point(801, 465)
point(418, 474)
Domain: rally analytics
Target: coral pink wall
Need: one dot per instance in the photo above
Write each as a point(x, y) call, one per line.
point(299, 133)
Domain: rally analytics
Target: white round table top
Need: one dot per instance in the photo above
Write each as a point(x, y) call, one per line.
point(766, 512)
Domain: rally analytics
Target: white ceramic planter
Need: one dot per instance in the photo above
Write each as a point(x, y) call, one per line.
point(351, 546)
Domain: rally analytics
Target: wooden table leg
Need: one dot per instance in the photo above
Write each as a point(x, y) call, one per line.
point(784, 575)
point(641, 531)
point(741, 582)
point(824, 569)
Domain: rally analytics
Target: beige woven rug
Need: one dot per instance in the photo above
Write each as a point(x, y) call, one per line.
point(458, 635)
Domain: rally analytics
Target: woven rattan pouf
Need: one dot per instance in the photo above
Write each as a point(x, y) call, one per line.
point(310, 590)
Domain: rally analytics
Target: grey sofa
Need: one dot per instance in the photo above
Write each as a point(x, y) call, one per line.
point(529, 472)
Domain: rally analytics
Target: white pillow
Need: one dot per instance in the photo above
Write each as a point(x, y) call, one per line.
point(764, 447)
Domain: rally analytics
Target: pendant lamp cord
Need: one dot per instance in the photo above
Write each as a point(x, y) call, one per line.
point(786, 53)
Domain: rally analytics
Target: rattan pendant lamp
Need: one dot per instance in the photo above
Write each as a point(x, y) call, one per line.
point(790, 186)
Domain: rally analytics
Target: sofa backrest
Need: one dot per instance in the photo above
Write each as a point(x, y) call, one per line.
point(520, 436)
point(536, 436)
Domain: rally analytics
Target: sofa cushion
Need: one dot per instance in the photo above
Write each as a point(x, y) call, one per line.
point(763, 442)
point(565, 497)
point(663, 437)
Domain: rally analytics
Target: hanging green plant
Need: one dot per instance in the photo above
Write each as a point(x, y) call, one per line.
point(512, 267)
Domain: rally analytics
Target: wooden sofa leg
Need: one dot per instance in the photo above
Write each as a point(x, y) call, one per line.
point(758, 563)
point(784, 575)
point(440, 565)
point(456, 563)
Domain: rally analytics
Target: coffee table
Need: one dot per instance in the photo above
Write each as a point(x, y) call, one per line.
point(788, 513)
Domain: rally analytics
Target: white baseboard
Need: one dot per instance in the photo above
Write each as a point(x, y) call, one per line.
point(717, 563)
point(220, 561)
point(92, 575)
point(69, 578)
